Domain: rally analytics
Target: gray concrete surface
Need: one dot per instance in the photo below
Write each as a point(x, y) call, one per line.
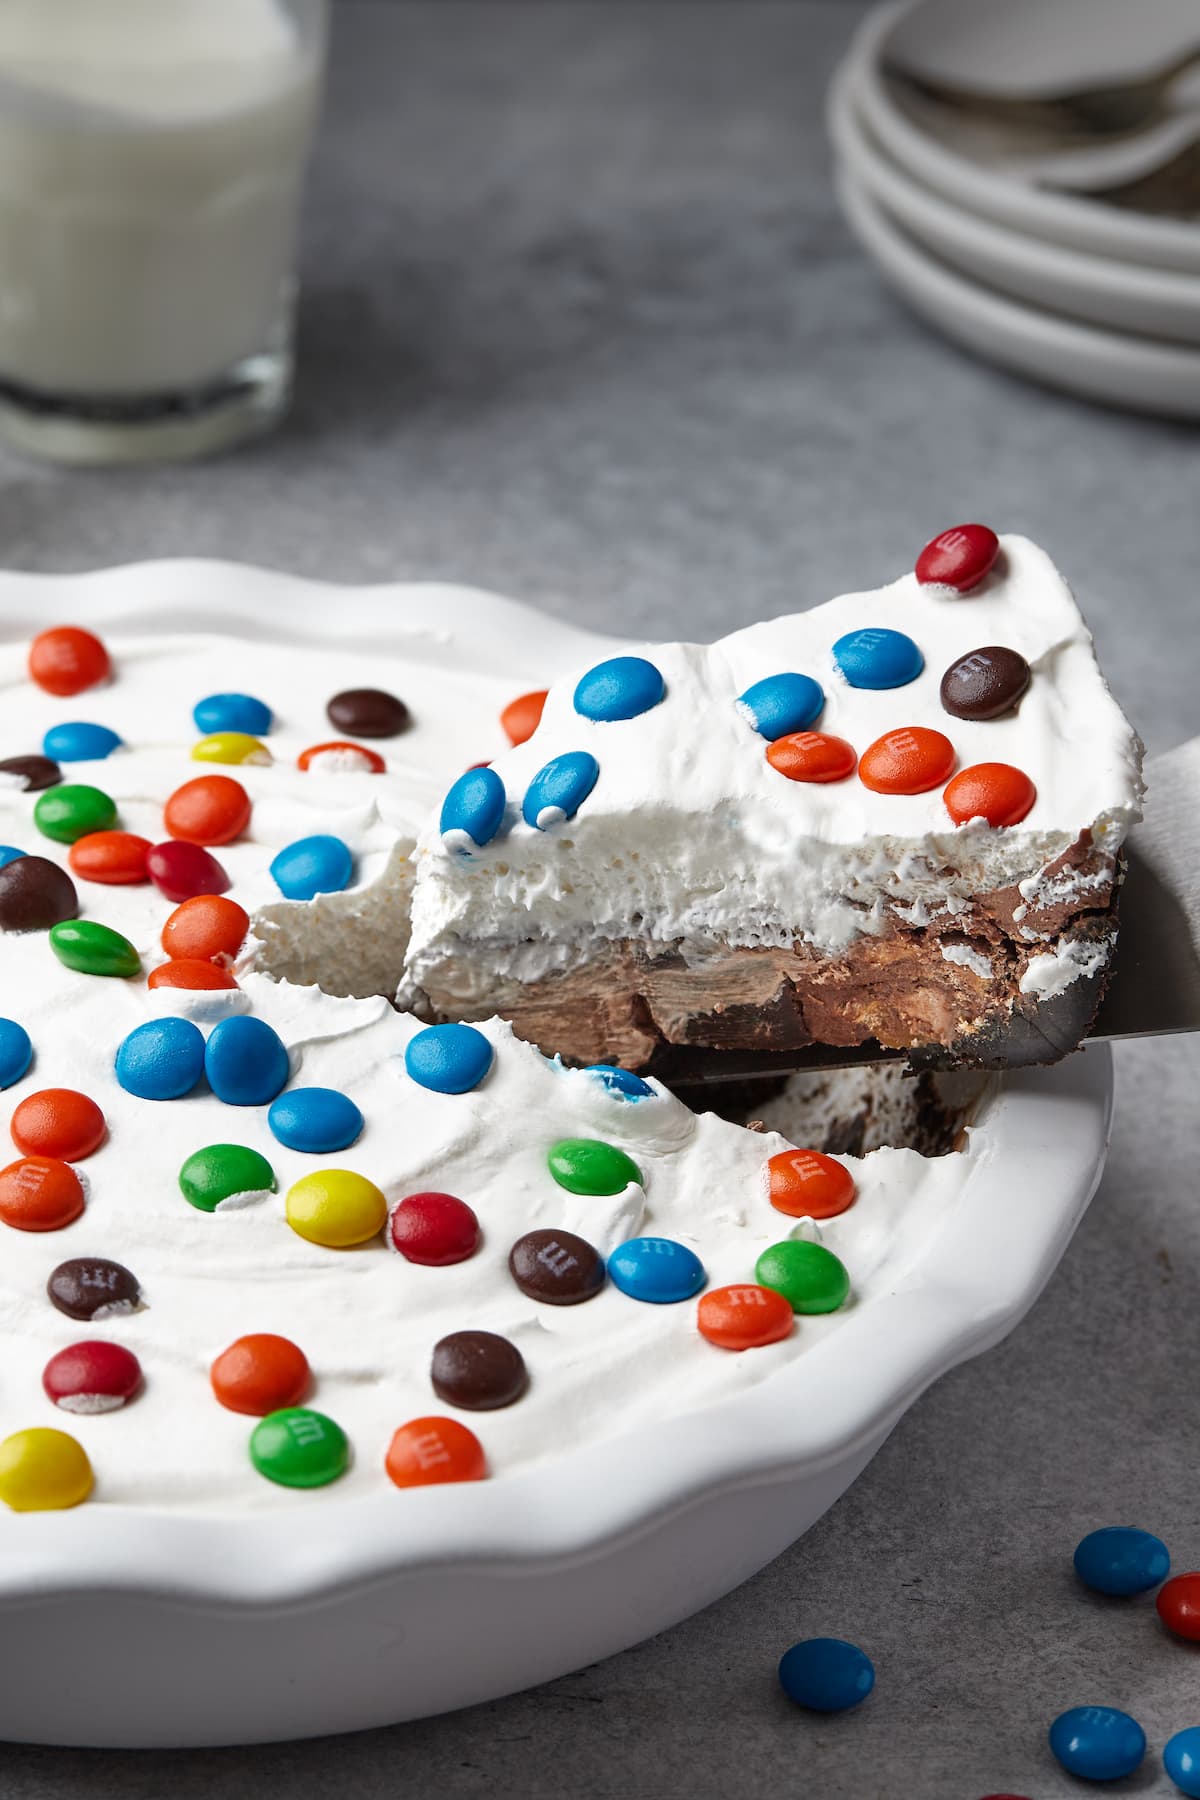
point(582, 323)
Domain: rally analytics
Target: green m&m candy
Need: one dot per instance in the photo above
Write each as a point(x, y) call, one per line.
point(811, 1278)
point(221, 1171)
point(72, 811)
point(93, 949)
point(586, 1166)
point(299, 1448)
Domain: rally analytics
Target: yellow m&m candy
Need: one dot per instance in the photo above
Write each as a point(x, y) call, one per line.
point(42, 1470)
point(231, 747)
point(336, 1208)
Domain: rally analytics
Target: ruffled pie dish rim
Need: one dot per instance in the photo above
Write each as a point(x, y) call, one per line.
point(1035, 1156)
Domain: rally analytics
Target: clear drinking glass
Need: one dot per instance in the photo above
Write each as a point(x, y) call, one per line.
point(152, 157)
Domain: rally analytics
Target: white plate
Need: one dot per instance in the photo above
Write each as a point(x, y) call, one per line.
point(1080, 224)
point(1139, 373)
point(1158, 302)
point(135, 1627)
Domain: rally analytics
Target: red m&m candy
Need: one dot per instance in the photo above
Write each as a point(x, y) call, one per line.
point(117, 858)
point(209, 927)
point(213, 809)
point(993, 791)
point(260, 1373)
point(910, 760)
point(66, 660)
point(958, 558)
point(1178, 1605)
point(434, 1229)
point(190, 972)
point(812, 756)
point(58, 1122)
point(744, 1317)
point(40, 1194)
point(180, 870)
point(92, 1377)
point(807, 1184)
point(428, 1451)
point(522, 716)
point(342, 759)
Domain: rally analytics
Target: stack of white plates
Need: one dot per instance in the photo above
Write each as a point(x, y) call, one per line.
point(995, 237)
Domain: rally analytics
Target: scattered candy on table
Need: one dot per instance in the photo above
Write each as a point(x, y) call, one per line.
point(30, 773)
point(1181, 1760)
point(231, 747)
point(221, 1173)
point(299, 1448)
point(35, 894)
point(657, 1270)
point(1098, 1743)
point(556, 1267)
point(161, 1060)
point(810, 1277)
point(9, 853)
point(522, 716)
point(40, 1193)
point(320, 864)
point(246, 1062)
point(113, 858)
point(212, 809)
point(336, 1207)
point(72, 810)
point(985, 683)
point(260, 1374)
point(958, 558)
point(473, 811)
point(58, 1122)
point(812, 756)
point(909, 760)
point(478, 1371)
point(1178, 1605)
point(780, 705)
point(94, 1377)
point(809, 1184)
point(434, 1229)
point(448, 1059)
point(877, 657)
point(80, 742)
point(207, 927)
point(66, 659)
point(744, 1316)
point(624, 687)
point(240, 713)
point(559, 789)
point(16, 1052)
point(1118, 1559)
point(368, 712)
point(91, 948)
point(587, 1166)
point(341, 758)
point(182, 870)
point(93, 1287)
point(316, 1120)
point(433, 1450)
point(190, 972)
point(826, 1674)
point(43, 1470)
point(993, 791)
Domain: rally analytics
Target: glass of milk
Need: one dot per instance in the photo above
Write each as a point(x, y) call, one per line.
point(152, 156)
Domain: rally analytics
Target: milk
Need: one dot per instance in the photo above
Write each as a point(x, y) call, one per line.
point(151, 157)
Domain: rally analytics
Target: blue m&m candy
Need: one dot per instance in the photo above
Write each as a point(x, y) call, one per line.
point(161, 1060)
point(622, 1083)
point(826, 1674)
point(232, 712)
point(473, 811)
point(16, 1052)
point(1181, 1760)
point(311, 866)
point(1097, 1742)
point(80, 742)
point(1118, 1559)
point(781, 704)
point(245, 1061)
point(878, 658)
point(315, 1119)
point(657, 1270)
point(559, 789)
point(9, 853)
point(449, 1059)
point(620, 688)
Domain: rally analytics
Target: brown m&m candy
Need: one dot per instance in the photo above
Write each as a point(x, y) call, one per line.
point(985, 683)
point(368, 712)
point(35, 894)
point(478, 1370)
point(557, 1267)
point(93, 1287)
point(30, 773)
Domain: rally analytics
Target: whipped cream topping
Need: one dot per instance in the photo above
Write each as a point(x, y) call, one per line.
point(690, 837)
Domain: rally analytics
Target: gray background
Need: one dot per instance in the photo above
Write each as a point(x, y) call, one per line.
point(582, 323)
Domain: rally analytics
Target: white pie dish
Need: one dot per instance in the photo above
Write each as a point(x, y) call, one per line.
point(138, 1627)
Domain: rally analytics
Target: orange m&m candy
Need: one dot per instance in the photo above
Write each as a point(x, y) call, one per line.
point(260, 1374)
point(213, 809)
point(910, 760)
point(744, 1317)
point(117, 858)
point(993, 791)
point(427, 1451)
point(807, 1184)
point(522, 716)
point(207, 927)
point(812, 756)
point(39, 1193)
point(342, 759)
point(58, 1122)
point(190, 972)
point(67, 659)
